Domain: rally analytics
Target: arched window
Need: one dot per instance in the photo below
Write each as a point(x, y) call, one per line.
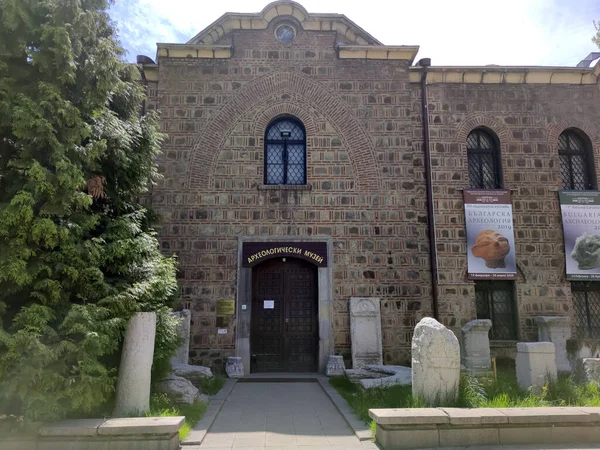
point(484, 160)
point(285, 152)
point(576, 161)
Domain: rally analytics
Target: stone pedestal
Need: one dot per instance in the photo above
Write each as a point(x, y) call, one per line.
point(183, 352)
point(435, 362)
point(556, 330)
point(133, 384)
point(335, 366)
point(591, 369)
point(234, 367)
point(365, 331)
point(535, 364)
point(476, 346)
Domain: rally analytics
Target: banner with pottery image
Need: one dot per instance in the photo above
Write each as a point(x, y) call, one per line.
point(490, 235)
point(581, 229)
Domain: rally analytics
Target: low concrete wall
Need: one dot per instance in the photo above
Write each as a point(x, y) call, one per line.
point(136, 433)
point(458, 427)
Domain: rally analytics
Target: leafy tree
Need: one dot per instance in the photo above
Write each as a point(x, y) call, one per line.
point(78, 256)
point(596, 38)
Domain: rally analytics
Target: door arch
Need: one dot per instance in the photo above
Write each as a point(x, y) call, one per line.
point(284, 324)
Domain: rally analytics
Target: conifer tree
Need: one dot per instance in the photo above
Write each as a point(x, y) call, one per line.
point(78, 256)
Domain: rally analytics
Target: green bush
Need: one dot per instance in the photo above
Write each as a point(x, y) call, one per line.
point(78, 255)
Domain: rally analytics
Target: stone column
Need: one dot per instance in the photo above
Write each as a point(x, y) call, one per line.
point(556, 330)
point(476, 346)
point(365, 331)
point(133, 384)
point(535, 364)
point(435, 362)
point(183, 330)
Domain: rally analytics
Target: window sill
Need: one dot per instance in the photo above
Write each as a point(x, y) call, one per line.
point(285, 187)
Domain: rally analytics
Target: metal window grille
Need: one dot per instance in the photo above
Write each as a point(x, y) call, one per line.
point(495, 301)
point(482, 155)
point(576, 164)
point(285, 153)
point(586, 305)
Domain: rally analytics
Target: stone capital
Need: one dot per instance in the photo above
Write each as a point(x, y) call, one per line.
point(553, 321)
point(482, 325)
point(535, 347)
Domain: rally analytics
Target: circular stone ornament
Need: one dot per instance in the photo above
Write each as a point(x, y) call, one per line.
point(285, 34)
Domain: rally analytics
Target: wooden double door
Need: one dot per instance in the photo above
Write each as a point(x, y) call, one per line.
point(284, 330)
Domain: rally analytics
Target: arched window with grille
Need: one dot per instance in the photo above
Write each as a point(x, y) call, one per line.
point(285, 152)
point(483, 157)
point(576, 161)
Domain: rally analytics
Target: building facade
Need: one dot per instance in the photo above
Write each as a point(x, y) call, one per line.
point(296, 176)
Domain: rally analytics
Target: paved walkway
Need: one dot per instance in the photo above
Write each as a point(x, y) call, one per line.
point(287, 416)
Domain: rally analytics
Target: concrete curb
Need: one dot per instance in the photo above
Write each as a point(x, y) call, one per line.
point(199, 431)
point(361, 430)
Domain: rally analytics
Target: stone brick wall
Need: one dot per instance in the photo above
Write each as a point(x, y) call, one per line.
point(527, 119)
point(366, 180)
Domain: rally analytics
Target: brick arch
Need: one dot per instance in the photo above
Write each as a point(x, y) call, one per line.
point(266, 116)
point(211, 139)
point(555, 129)
point(478, 121)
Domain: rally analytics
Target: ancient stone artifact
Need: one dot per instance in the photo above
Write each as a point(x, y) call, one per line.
point(591, 369)
point(556, 330)
point(179, 389)
point(365, 331)
point(182, 354)
point(234, 367)
point(492, 247)
point(133, 384)
point(476, 346)
point(335, 366)
point(587, 251)
point(535, 364)
point(435, 362)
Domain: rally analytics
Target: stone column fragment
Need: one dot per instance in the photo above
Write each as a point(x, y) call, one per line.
point(556, 330)
point(133, 384)
point(535, 364)
point(183, 352)
point(476, 346)
point(365, 331)
point(435, 362)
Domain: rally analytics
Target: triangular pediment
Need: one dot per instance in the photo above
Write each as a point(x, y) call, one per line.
point(229, 22)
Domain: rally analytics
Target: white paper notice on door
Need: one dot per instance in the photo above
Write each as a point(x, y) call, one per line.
point(269, 304)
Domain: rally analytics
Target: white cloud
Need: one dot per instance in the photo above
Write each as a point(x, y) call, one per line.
point(460, 32)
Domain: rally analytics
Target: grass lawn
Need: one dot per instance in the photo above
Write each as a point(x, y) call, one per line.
point(162, 406)
point(473, 393)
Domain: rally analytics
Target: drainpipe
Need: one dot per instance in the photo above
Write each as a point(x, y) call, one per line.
point(433, 262)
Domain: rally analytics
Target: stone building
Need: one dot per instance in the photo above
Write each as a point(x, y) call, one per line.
point(295, 177)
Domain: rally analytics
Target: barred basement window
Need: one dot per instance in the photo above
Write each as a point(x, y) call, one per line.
point(496, 301)
point(586, 304)
point(576, 161)
point(285, 152)
point(484, 160)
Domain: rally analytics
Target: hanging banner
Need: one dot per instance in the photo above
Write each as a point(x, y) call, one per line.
point(581, 230)
point(490, 236)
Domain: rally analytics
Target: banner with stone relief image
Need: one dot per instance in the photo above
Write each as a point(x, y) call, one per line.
point(490, 235)
point(581, 230)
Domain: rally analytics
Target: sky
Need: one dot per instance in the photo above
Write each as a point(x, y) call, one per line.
point(450, 32)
